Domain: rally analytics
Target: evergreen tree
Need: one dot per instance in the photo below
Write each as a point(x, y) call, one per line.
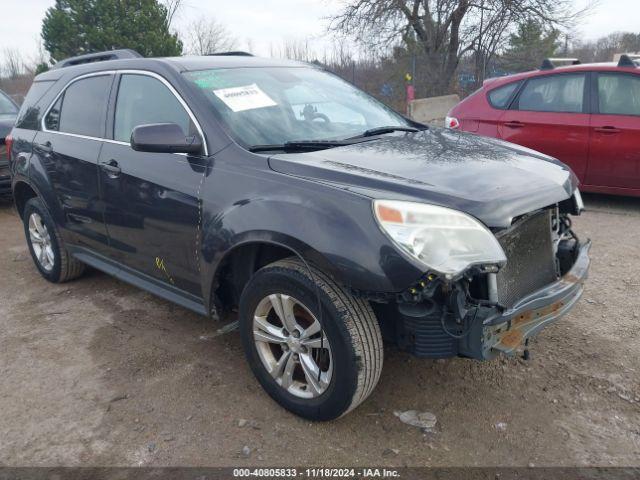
point(529, 46)
point(75, 27)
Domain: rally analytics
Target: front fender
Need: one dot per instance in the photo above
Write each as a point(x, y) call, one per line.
point(332, 228)
point(275, 239)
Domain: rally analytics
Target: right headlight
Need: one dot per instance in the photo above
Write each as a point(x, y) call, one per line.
point(444, 240)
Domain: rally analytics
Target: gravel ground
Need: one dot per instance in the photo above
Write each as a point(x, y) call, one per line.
point(96, 372)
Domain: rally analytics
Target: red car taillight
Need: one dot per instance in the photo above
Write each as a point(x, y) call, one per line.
point(8, 141)
point(451, 122)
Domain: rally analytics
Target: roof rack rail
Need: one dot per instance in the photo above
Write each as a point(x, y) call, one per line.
point(629, 60)
point(230, 54)
point(550, 63)
point(97, 57)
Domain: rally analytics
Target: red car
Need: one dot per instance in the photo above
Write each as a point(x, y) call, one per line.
point(587, 116)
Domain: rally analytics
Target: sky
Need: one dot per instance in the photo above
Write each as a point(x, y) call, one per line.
point(261, 24)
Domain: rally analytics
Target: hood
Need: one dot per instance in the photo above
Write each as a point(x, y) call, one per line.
point(492, 180)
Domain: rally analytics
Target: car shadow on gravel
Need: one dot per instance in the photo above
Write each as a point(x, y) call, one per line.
point(6, 203)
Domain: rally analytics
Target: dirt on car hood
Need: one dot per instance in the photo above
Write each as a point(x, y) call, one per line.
point(492, 180)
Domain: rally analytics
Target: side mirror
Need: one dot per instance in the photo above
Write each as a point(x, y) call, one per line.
point(164, 138)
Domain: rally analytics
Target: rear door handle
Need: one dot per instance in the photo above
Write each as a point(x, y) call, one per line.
point(111, 167)
point(514, 124)
point(607, 129)
point(43, 147)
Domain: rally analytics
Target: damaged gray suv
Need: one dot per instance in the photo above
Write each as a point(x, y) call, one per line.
point(276, 192)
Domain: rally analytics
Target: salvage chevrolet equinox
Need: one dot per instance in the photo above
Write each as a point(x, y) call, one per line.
point(273, 190)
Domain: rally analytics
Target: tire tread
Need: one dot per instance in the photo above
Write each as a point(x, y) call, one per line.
point(360, 321)
point(70, 268)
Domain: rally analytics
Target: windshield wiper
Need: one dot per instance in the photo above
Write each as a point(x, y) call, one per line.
point(382, 130)
point(311, 145)
point(300, 146)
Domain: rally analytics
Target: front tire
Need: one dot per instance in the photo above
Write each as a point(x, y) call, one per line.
point(46, 245)
point(319, 363)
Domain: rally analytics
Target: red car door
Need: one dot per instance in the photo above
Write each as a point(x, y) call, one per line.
point(614, 157)
point(550, 116)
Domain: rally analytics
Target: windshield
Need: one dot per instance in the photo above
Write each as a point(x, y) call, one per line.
point(272, 106)
point(7, 107)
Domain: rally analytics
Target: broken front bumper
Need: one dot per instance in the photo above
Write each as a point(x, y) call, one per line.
point(505, 331)
point(481, 331)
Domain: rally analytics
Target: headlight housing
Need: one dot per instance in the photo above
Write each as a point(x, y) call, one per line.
point(444, 240)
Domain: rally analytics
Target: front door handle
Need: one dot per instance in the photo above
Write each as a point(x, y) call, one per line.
point(607, 129)
point(514, 124)
point(111, 168)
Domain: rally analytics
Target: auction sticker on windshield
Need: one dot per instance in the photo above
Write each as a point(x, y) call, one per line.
point(248, 97)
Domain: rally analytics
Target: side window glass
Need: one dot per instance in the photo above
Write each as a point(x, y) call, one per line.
point(618, 94)
point(82, 108)
point(143, 100)
point(499, 97)
point(554, 93)
point(30, 111)
point(52, 121)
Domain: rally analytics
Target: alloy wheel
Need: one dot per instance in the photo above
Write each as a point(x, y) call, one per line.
point(292, 346)
point(41, 242)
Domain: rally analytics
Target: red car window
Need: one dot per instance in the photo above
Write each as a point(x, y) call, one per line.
point(554, 93)
point(618, 94)
point(501, 97)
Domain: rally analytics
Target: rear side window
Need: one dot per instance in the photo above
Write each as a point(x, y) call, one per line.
point(143, 100)
point(554, 93)
point(31, 110)
point(618, 94)
point(52, 120)
point(500, 97)
point(82, 108)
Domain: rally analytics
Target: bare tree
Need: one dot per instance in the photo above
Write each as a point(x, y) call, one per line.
point(41, 60)
point(340, 57)
point(208, 36)
point(12, 65)
point(604, 48)
point(16, 74)
point(443, 31)
point(250, 44)
point(293, 49)
point(173, 7)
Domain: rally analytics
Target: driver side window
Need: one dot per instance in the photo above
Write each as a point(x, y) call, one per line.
point(143, 100)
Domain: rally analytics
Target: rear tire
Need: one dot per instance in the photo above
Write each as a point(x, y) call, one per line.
point(46, 245)
point(345, 352)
